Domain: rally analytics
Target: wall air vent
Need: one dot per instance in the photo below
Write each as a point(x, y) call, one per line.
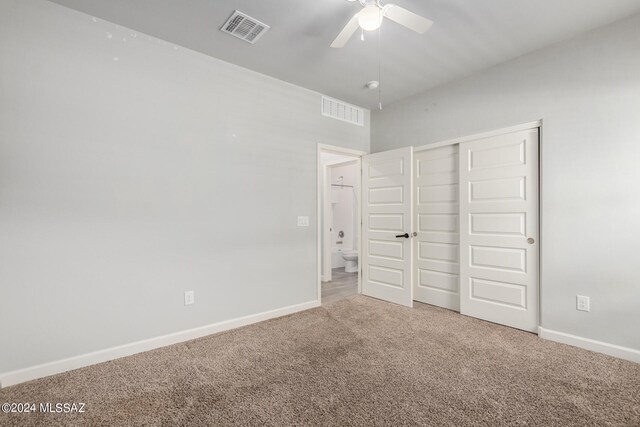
point(244, 27)
point(342, 111)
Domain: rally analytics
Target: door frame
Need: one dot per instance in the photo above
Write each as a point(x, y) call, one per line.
point(502, 131)
point(320, 189)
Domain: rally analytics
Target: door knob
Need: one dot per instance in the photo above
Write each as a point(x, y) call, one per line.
point(531, 240)
point(405, 235)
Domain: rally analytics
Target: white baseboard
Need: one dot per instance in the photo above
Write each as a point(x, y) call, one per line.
point(59, 366)
point(589, 344)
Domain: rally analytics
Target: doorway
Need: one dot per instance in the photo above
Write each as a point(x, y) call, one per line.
point(339, 224)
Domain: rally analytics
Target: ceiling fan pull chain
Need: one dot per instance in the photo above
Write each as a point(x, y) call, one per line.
point(379, 68)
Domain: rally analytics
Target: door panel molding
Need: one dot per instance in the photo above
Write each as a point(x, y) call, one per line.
point(499, 208)
point(387, 260)
point(436, 213)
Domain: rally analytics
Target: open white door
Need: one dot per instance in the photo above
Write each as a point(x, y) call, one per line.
point(499, 229)
point(386, 252)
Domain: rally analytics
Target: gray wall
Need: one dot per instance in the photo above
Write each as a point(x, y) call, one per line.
point(125, 182)
point(587, 91)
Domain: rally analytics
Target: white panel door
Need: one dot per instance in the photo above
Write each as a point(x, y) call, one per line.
point(386, 252)
point(436, 220)
point(499, 229)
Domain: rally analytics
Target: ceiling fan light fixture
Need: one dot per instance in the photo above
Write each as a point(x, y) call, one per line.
point(370, 18)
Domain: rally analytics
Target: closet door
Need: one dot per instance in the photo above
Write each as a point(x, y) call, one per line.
point(386, 226)
point(499, 229)
point(436, 216)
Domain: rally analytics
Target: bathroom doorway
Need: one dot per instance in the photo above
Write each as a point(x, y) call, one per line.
point(339, 174)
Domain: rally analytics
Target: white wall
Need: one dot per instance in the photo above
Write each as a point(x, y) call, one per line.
point(587, 91)
point(125, 182)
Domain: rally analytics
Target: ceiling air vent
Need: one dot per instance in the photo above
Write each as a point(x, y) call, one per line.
point(342, 111)
point(244, 27)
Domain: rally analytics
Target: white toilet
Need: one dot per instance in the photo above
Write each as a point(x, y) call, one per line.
point(351, 257)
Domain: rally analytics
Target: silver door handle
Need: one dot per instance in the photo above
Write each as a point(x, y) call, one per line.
point(531, 240)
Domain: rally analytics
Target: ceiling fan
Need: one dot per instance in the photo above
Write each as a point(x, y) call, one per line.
point(370, 19)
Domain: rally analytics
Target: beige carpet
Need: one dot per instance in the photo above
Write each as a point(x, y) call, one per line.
point(355, 362)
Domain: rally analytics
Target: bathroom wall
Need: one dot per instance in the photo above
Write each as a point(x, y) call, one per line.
point(132, 170)
point(345, 209)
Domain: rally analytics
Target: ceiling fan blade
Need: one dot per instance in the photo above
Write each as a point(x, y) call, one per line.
point(408, 19)
point(346, 32)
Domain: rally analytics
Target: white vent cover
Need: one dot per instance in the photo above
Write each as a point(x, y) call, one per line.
point(244, 27)
point(342, 111)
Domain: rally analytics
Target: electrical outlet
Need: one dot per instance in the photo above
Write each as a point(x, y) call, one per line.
point(303, 221)
point(582, 303)
point(189, 297)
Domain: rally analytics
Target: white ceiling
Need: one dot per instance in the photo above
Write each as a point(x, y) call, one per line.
point(468, 36)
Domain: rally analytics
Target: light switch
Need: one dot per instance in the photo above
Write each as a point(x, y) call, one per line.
point(303, 221)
